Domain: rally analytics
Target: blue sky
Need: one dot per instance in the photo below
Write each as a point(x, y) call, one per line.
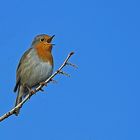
point(101, 99)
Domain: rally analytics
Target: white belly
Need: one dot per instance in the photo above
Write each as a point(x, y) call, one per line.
point(40, 73)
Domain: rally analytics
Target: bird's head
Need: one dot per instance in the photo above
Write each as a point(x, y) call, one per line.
point(43, 40)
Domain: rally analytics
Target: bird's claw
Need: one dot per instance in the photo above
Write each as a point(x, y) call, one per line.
point(43, 84)
point(31, 91)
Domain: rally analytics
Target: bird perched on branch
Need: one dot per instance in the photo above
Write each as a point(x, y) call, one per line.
point(35, 66)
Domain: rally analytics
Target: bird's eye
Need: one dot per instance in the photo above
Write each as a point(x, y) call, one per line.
point(42, 39)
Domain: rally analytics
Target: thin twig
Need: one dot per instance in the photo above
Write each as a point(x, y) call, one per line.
point(12, 111)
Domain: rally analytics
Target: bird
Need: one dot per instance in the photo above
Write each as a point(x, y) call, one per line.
point(35, 66)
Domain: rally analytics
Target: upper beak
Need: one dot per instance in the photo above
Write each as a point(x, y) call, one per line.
point(50, 39)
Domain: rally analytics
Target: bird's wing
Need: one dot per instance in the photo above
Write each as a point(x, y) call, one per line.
point(18, 72)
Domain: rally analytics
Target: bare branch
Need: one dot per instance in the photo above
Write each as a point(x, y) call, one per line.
point(70, 64)
point(39, 88)
point(64, 73)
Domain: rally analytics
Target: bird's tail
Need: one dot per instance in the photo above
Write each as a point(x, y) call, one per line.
point(19, 98)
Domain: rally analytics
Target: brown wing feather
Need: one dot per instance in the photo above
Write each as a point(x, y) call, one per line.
point(18, 69)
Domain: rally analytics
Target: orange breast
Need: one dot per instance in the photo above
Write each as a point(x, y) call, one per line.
point(44, 52)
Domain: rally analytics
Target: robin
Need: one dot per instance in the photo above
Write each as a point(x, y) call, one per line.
point(35, 66)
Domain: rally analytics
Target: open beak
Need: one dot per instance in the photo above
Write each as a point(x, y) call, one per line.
point(50, 39)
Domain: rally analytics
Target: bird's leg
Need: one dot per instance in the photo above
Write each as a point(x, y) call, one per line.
point(41, 86)
point(31, 91)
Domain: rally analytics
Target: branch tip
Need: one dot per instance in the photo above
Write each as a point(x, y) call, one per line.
point(71, 53)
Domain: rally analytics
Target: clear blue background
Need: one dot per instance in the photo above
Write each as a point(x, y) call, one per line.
point(101, 100)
